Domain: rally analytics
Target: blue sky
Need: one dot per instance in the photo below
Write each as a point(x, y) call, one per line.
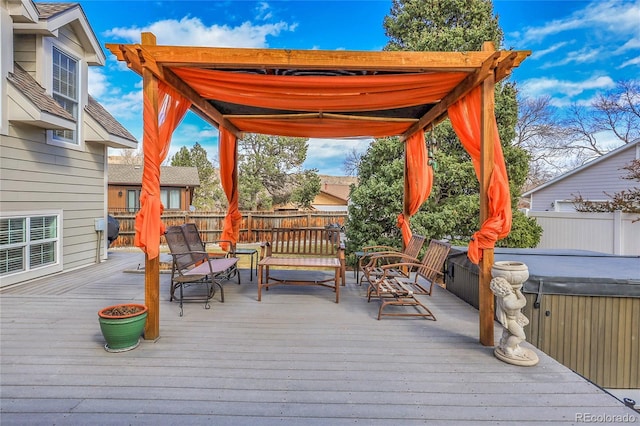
point(579, 48)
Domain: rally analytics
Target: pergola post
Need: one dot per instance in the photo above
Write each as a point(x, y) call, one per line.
point(486, 300)
point(152, 266)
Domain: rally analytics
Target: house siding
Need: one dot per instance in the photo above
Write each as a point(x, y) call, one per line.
point(69, 39)
point(591, 182)
point(35, 177)
point(24, 51)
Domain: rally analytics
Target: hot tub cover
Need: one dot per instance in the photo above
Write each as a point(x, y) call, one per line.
point(570, 272)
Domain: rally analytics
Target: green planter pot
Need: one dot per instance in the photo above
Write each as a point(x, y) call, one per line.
point(121, 327)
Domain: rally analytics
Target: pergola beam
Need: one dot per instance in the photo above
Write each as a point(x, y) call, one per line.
point(321, 115)
point(397, 61)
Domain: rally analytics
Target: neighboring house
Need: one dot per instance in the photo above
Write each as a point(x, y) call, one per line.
point(54, 141)
point(591, 181)
point(334, 193)
point(177, 185)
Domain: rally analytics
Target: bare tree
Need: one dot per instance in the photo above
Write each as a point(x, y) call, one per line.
point(557, 144)
point(132, 157)
point(616, 112)
point(352, 162)
point(619, 111)
point(538, 132)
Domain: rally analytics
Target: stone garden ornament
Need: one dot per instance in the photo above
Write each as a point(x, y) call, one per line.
point(508, 278)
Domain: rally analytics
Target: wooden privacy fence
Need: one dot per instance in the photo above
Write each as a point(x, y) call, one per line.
point(255, 226)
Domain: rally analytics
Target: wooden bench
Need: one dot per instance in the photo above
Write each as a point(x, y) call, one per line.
point(303, 248)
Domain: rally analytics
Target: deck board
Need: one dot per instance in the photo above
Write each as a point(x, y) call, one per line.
point(291, 359)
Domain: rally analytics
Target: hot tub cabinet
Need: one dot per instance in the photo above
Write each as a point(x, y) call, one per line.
point(583, 307)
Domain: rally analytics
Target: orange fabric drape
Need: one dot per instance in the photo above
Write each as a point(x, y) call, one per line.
point(156, 141)
point(419, 178)
point(228, 178)
point(321, 127)
point(321, 93)
point(465, 117)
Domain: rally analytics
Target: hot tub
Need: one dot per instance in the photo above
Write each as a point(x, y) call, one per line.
point(583, 308)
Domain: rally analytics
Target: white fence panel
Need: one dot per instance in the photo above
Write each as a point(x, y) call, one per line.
point(613, 233)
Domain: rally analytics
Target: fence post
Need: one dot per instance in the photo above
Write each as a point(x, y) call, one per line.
point(249, 228)
point(617, 232)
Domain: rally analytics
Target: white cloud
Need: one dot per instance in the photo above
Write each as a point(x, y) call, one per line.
point(632, 61)
point(327, 148)
point(540, 53)
point(582, 56)
point(328, 155)
point(613, 16)
point(562, 91)
point(97, 82)
point(192, 32)
point(631, 44)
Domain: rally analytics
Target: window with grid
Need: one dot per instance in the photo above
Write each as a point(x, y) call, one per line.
point(65, 91)
point(28, 243)
point(170, 198)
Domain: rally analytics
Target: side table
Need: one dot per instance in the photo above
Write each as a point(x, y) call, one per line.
point(251, 253)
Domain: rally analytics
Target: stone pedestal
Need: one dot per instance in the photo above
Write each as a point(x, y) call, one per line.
point(506, 284)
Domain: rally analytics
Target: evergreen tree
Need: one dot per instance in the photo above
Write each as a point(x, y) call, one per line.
point(270, 169)
point(452, 210)
point(209, 195)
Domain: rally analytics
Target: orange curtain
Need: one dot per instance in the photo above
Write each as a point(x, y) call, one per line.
point(465, 117)
point(321, 93)
point(321, 127)
point(156, 141)
point(419, 178)
point(227, 148)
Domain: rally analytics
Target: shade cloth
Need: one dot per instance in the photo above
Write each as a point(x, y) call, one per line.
point(227, 150)
point(158, 128)
point(419, 180)
point(321, 93)
point(465, 116)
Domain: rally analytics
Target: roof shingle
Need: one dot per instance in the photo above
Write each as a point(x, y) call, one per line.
point(102, 116)
point(26, 84)
point(127, 174)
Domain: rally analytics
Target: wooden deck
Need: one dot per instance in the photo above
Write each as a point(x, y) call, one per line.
point(291, 359)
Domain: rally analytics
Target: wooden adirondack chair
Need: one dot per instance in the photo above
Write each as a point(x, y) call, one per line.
point(376, 256)
point(432, 268)
point(398, 290)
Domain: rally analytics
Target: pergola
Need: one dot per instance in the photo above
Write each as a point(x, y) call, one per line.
point(330, 94)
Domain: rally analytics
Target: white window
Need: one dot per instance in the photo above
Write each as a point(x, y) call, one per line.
point(133, 200)
point(28, 243)
point(170, 198)
point(65, 91)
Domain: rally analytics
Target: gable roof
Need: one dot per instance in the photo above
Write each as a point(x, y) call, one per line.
point(48, 10)
point(128, 174)
point(110, 124)
point(631, 145)
point(54, 15)
point(337, 186)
